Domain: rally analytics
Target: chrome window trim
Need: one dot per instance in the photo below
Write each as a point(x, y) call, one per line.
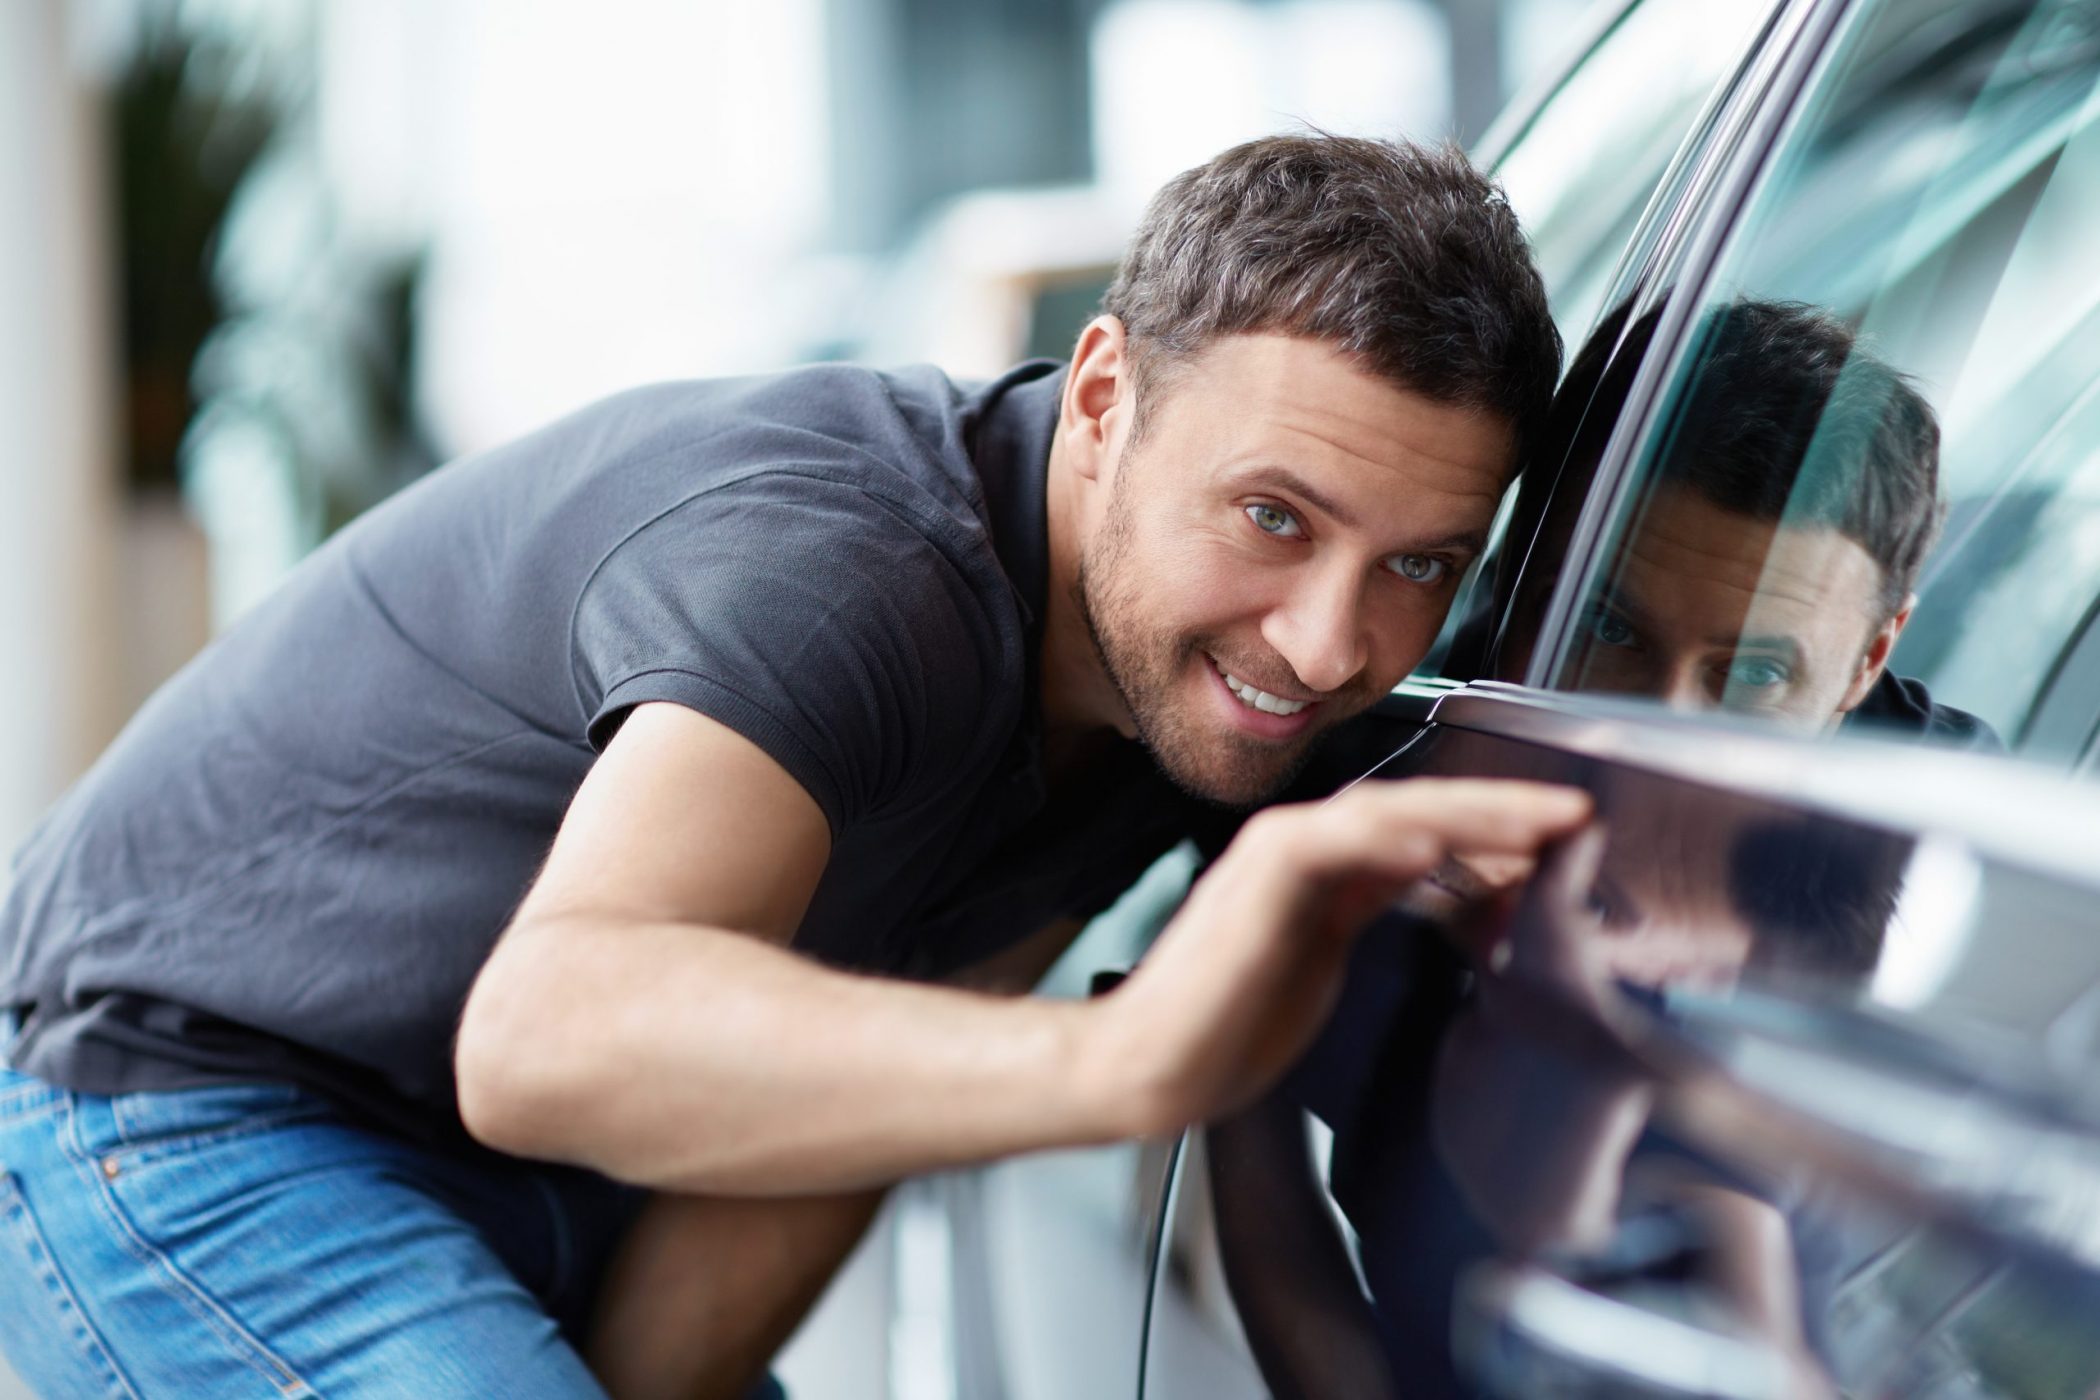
point(1797, 57)
point(1715, 130)
point(2027, 817)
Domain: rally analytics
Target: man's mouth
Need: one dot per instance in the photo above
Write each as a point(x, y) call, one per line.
point(1255, 698)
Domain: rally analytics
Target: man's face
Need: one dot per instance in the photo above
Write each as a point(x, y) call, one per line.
point(1277, 552)
point(1710, 609)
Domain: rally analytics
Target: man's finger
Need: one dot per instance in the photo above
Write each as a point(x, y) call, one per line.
point(1395, 827)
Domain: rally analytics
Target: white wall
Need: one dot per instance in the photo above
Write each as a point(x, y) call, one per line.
point(58, 670)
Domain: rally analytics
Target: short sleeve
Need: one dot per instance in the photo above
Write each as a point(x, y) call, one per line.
point(837, 630)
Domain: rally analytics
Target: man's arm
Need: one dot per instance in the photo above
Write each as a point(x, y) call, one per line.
point(642, 1016)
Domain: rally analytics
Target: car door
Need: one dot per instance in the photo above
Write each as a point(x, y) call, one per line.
point(1600, 183)
point(1781, 1087)
point(1050, 1259)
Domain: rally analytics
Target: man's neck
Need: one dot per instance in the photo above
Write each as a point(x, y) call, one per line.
point(1079, 699)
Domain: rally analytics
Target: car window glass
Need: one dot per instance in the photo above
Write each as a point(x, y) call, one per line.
point(1869, 496)
point(1585, 166)
point(1588, 163)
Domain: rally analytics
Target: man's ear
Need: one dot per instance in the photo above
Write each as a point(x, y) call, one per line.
point(1876, 658)
point(1099, 400)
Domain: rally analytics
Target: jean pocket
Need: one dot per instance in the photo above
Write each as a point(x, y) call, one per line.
point(46, 1335)
point(149, 1121)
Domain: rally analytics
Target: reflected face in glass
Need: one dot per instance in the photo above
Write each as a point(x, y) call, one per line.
point(1710, 609)
point(1277, 551)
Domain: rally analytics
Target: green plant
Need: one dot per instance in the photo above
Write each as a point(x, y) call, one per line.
point(190, 123)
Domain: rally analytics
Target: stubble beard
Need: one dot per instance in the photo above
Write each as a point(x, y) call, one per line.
point(1146, 663)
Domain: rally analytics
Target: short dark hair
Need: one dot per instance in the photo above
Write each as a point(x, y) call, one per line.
point(1405, 257)
point(1789, 417)
point(1765, 373)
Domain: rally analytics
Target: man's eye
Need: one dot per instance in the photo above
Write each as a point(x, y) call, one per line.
point(1758, 672)
point(1419, 568)
point(1274, 520)
point(1610, 629)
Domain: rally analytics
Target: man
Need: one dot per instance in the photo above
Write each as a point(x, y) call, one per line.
point(803, 678)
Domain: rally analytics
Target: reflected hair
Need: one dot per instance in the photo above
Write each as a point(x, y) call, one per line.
point(1790, 417)
point(1404, 257)
point(1786, 416)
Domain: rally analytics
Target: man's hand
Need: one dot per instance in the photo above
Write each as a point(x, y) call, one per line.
point(1248, 970)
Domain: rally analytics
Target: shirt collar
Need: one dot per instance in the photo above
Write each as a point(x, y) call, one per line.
point(1012, 422)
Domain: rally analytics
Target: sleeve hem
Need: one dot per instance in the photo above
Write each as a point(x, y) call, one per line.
point(707, 696)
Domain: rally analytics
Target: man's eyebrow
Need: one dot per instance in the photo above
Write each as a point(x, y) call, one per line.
point(1771, 642)
point(1284, 479)
point(1612, 600)
point(1464, 542)
point(1619, 603)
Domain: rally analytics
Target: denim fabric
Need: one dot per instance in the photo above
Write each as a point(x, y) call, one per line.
point(245, 1241)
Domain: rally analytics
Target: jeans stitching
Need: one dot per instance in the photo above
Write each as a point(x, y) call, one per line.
point(16, 1209)
point(124, 1108)
point(158, 1146)
point(186, 1290)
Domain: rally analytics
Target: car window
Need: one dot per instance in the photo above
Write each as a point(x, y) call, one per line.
point(1871, 495)
point(1580, 172)
point(1586, 164)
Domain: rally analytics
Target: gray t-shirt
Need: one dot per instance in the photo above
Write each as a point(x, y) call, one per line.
point(293, 861)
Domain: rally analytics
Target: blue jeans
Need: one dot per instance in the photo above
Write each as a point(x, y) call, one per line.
point(247, 1241)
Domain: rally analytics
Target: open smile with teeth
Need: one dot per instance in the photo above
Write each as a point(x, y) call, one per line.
point(1257, 699)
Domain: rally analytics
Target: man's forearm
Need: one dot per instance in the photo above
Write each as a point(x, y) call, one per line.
point(687, 1058)
point(692, 1059)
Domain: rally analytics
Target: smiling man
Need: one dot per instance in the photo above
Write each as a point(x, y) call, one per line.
point(543, 928)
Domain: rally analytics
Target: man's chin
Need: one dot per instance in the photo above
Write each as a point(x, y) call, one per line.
point(1233, 781)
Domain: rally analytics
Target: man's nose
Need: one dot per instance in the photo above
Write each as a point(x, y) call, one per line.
point(1319, 629)
point(1683, 687)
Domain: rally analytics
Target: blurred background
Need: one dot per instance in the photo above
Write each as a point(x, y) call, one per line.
point(265, 261)
point(262, 262)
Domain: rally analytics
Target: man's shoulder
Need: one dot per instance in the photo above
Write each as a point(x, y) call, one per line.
point(893, 418)
point(899, 436)
point(833, 463)
point(1898, 705)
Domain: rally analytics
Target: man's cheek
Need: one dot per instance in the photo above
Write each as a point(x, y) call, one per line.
point(1398, 646)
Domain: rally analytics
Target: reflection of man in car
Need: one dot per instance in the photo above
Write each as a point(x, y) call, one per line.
point(1768, 564)
point(1770, 567)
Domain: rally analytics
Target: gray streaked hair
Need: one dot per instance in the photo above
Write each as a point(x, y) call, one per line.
point(1404, 257)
